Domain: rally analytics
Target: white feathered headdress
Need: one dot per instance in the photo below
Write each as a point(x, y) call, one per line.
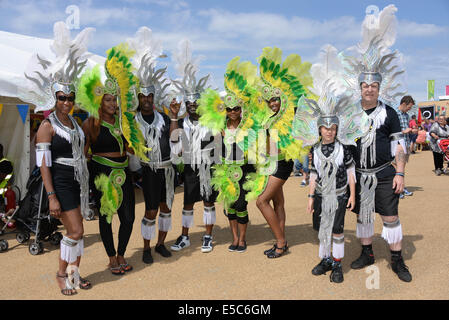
point(148, 50)
point(334, 105)
point(44, 77)
point(373, 61)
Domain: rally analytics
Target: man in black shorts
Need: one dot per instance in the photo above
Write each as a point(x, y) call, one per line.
point(375, 73)
point(379, 183)
point(158, 173)
point(196, 145)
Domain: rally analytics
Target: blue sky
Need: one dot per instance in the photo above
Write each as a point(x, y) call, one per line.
point(221, 30)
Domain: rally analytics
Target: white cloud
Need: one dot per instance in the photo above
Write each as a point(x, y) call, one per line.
point(413, 29)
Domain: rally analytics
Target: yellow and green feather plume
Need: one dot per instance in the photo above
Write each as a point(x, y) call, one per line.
point(119, 68)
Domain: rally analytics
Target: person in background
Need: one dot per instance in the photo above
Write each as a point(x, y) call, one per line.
point(413, 134)
point(405, 106)
point(439, 130)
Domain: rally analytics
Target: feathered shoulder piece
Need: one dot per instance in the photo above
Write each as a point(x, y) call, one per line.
point(372, 59)
point(287, 80)
point(333, 106)
point(45, 76)
point(120, 82)
point(119, 71)
point(239, 80)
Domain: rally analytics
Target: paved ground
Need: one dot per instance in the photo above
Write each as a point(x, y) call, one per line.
point(190, 274)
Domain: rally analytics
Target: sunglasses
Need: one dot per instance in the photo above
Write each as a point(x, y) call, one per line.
point(236, 109)
point(64, 98)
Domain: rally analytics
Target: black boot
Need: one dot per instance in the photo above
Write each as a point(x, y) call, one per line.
point(337, 272)
point(324, 266)
point(399, 267)
point(365, 259)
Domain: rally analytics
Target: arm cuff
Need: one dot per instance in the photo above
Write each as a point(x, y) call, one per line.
point(43, 152)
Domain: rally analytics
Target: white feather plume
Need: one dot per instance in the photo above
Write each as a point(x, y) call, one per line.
point(329, 68)
point(143, 44)
point(183, 56)
point(383, 26)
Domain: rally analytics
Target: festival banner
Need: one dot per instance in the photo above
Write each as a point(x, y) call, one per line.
point(447, 90)
point(1, 109)
point(430, 90)
point(23, 111)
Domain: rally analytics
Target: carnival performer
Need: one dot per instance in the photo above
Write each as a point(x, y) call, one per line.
point(374, 73)
point(158, 172)
point(232, 116)
point(281, 85)
point(195, 144)
point(110, 131)
point(330, 124)
point(60, 146)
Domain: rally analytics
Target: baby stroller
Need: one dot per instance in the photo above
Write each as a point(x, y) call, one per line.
point(32, 216)
point(444, 146)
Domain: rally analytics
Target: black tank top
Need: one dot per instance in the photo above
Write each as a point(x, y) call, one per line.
point(60, 148)
point(106, 142)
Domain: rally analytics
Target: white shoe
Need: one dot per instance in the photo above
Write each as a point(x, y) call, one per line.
point(207, 244)
point(181, 243)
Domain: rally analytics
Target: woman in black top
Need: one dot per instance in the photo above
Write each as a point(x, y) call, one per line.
point(54, 147)
point(109, 174)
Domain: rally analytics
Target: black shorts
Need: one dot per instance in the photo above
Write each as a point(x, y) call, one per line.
point(283, 169)
point(67, 189)
point(339, 220)
point(192, 187)
point(413, 137)
point(386, 201)
point(153, 186)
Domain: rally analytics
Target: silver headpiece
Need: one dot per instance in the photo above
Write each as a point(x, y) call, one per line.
point(45, 77)
point(333, 106)
point(372, 60)
point(187, 67)
point(148, 49)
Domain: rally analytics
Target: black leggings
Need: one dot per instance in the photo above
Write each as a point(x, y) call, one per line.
point(438, 160)
point(126, 212)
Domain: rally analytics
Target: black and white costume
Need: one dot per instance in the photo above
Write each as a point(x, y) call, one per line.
point(158, 173)
point(196, 147)
point(331, 166)
point(373, 157)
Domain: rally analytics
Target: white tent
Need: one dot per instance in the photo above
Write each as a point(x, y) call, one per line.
point(15, 51)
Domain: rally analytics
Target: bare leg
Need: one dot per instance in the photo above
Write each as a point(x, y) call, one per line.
point(242, 233)
point(73, 223)
point(234, 230)
point(273, 187)
point(278, 203)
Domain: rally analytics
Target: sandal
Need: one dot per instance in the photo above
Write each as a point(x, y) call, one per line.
point(117, 271)
point(85, 284)
point(274, 254)
point(67, 291)
point(126, 267)
point(273, 248)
